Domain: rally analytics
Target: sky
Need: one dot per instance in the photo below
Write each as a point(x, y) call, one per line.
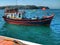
point(55, 4)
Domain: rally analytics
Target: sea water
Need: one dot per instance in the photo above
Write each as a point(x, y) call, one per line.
point(47, 35)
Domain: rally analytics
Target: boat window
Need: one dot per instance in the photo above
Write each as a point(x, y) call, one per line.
point(19, 14)
point(11, 14)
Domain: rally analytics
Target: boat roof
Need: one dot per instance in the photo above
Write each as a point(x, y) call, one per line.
point(9, 10)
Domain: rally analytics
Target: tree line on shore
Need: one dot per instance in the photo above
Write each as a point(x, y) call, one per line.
point(24, 7)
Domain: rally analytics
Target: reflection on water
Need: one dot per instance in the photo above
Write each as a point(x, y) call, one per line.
point(38, 34)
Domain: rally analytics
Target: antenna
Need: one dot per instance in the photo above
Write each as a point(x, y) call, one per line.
point(16, 4)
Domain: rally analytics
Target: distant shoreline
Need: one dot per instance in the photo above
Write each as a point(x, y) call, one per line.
point(24, 7)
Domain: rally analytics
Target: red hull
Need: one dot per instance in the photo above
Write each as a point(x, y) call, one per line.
point(43, 21)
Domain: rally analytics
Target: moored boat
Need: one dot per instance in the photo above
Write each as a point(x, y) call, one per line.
point(13, 16)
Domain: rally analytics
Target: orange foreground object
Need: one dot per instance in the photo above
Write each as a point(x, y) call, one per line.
point(4, 41)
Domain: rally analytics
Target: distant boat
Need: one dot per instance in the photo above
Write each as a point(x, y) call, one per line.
point(43, 8)
point(13, 16)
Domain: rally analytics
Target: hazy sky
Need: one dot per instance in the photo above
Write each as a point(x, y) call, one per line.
point(49, 3)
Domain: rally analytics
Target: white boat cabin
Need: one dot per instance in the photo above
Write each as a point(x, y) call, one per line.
point(13, 14)
point(16, 14)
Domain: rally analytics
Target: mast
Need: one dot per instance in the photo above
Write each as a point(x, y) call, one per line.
point(16, 4)
point(18, 8)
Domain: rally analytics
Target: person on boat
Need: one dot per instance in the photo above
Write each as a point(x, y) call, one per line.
point(19, 15)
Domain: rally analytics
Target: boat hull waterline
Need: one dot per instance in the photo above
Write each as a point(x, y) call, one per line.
point(43, 21)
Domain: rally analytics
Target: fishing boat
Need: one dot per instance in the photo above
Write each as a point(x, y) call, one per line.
point(14, 16)
point(12, 41)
